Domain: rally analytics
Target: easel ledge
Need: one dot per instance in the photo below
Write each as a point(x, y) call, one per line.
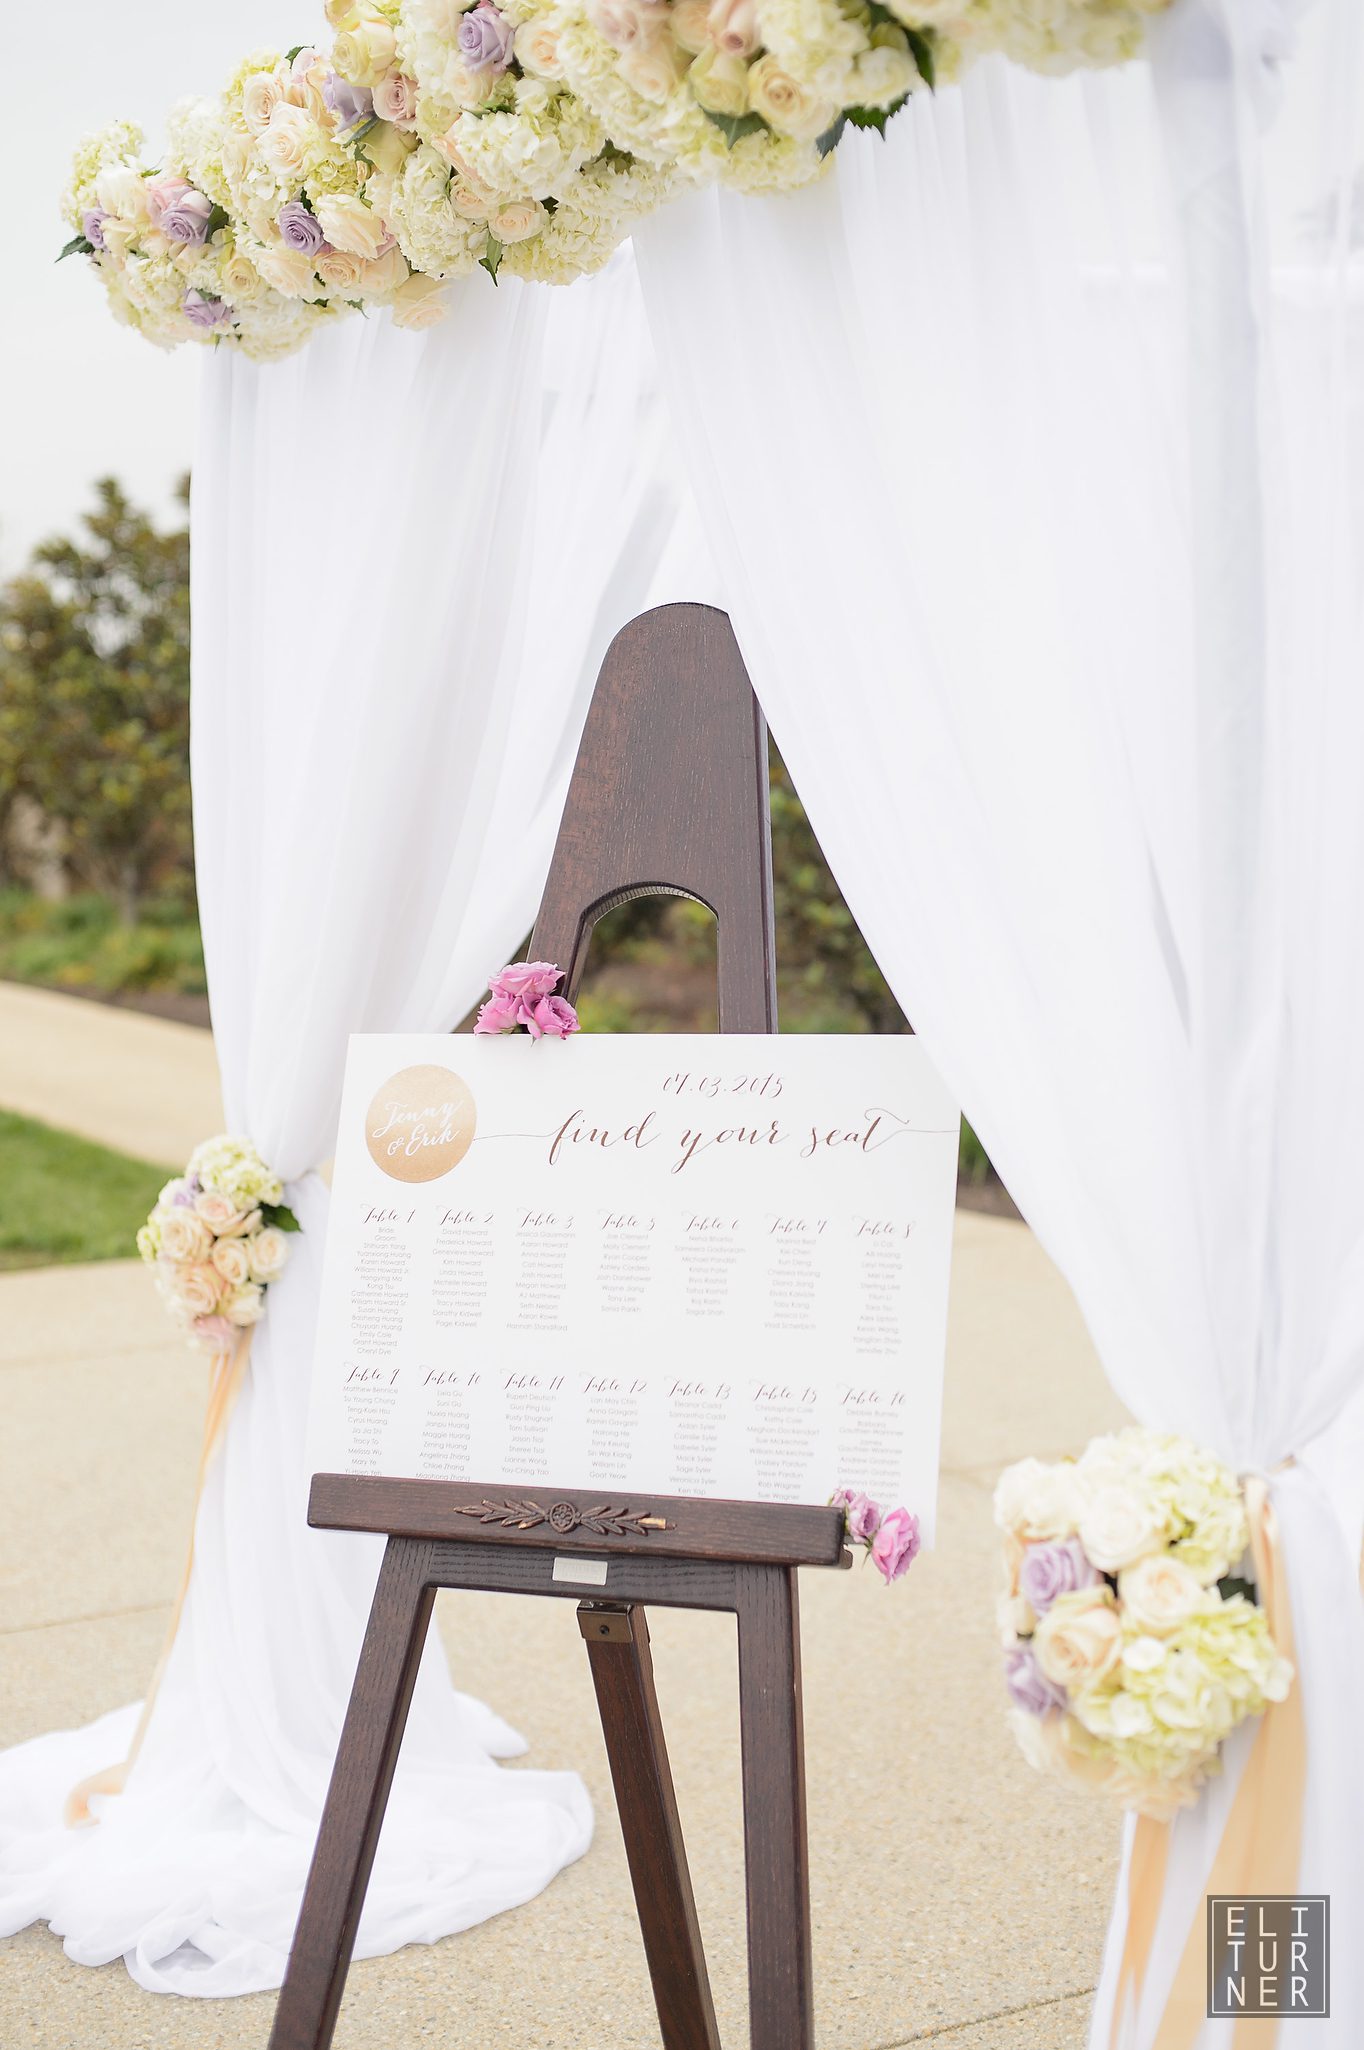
point(664, 1527)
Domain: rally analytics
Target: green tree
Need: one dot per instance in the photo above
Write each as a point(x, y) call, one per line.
point(94, 697)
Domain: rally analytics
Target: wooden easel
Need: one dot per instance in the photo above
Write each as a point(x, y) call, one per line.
point(668, 797)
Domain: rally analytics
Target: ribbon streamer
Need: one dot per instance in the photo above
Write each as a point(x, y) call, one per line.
point(225, 1378)
point(1261, 1847)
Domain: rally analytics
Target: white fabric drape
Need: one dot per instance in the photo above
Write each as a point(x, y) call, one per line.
point(400, 605)
point(1030, 446)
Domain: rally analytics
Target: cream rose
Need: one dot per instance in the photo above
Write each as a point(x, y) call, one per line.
point(732, 26)
point(1037, 1502)
point(197, 1289)
point(268, 1251)
point(419, 304)
point(1117, 1527)
point(518, 220)
point(365, 52)
point(1159, 1593)
point(351, 226)
point(185, 1236)
point(624, 24)
point(653, 69)
point(119, 236)
point(470, 201)
point(381, 278)
point(262, 93)
point(1040, 1739)
point(1079, 1639)
point(288, 140)
point(719, 83)
point(245, 1305)
point(289, 271)
point(341, 14)
point(537, 49)
point(232, 1258)
point(123, 191)
point(240, 279)
point(785, 104)
point(690, 24)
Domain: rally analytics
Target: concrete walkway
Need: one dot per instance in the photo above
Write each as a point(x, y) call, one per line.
point(959, 1899)
point(141, 1085)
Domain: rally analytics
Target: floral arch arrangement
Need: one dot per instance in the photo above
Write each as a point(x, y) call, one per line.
point(428, 138)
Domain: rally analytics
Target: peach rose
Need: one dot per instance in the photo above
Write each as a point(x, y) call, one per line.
point(395, 100)
point(197, 1289)
point(289, 271)
point(1079, 1639)
point(1159, 1593)
point(785, 104)
point(185, 1237)
point(287, 140)
point(232, 1260)
point(245, 1305)
point(518, 220)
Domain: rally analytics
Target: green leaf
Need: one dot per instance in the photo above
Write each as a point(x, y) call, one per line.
point(876, 117)
point(219, 218)
point(290, 55)
point(78, 246)
point(921, 50)
point(734, 127)
point(492, 256)
point(550, 204)
point(281, 1216)
point(1233, 1586)
point(831, 136)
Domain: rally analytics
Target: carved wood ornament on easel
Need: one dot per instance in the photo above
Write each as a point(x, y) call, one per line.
point(668, 797)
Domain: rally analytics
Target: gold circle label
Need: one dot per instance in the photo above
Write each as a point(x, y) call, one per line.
point(421, 1123)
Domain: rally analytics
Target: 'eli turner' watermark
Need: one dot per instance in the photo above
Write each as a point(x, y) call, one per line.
point(1269, 1954)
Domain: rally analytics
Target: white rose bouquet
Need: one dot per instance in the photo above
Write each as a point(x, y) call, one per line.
point(216, 1240)
point(1133, 1646)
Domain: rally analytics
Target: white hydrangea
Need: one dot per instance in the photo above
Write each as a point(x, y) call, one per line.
point(432, 236)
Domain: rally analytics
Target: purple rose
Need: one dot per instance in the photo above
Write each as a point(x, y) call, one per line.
point(92, 226)
point(895, 1546)
point(548, 1017)
point(525, 979)
point(299, 229)
point(863, 1518)
point(1028, 1685)
point(485, 38)
point(498, 1015)
point(203, 312)
point(1051, 1570)
point(350, 104)
point(186, 218)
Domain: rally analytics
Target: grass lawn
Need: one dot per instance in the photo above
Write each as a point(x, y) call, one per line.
point(62, 1198)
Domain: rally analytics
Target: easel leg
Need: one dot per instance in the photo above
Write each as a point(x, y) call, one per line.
point(623, 1674)
point(356, 1799)
point(780, 1970)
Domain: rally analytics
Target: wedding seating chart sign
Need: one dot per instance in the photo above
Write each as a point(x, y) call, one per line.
point(690, 1265)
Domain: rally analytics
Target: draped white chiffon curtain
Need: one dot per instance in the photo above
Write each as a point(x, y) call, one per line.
point(1034, 467)
point(399, 612)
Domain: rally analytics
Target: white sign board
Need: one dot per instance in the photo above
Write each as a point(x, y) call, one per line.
point(684, 1265)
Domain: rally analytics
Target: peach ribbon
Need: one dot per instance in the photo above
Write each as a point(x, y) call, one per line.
point(1261, 1847)
point(225, 1378)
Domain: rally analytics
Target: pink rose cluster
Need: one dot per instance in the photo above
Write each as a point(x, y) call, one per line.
point(523, 995)
point(889, 1536)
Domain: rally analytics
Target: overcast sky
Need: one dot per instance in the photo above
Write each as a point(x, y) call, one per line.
point(81, 397)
